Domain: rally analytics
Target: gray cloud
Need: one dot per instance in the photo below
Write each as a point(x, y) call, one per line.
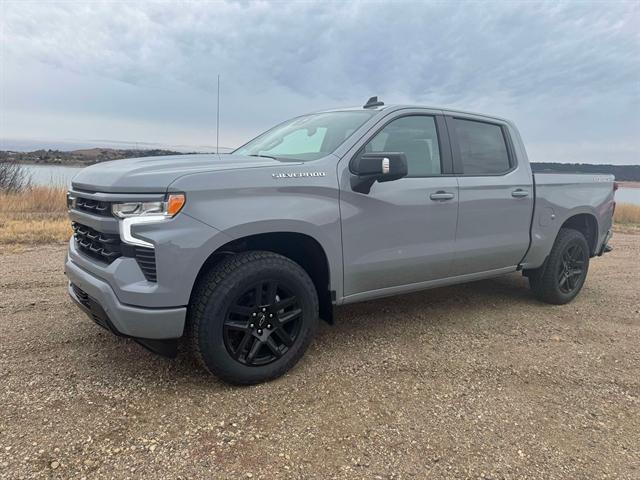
point(569, 74)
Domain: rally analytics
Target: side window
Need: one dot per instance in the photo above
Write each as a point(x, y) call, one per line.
point(482, 146)
point(416, 137)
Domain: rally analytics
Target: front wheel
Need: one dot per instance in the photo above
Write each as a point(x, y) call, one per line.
point(252, 317)
point(564, 273)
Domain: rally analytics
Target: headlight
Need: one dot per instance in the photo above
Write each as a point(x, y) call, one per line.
point(166, 209)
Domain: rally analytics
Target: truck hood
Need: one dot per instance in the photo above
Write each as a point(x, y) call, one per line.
point(154, 174)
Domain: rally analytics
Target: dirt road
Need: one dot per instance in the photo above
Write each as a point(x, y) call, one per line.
point(472, 381)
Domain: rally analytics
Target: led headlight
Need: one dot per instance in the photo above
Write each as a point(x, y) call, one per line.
point(163, 209)
point(138, 213)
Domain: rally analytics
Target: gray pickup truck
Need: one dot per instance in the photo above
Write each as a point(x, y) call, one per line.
point(242, 253)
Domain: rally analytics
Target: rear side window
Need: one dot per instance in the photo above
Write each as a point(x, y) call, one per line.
point(482, 146)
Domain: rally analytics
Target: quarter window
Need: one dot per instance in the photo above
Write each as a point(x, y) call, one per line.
point(416, 137)
point(482, 146)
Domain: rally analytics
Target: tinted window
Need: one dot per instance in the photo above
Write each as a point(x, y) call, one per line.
point(482, 147)
point(414, 136)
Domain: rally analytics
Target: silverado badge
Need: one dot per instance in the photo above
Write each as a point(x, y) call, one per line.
point(298, 174)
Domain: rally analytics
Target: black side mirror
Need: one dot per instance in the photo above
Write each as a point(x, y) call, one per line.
point(368, 168)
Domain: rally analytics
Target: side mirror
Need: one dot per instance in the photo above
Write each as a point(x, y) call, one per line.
point(368, 168)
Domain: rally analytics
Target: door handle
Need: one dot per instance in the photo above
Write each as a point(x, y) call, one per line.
point(441, 195)
point(519, 193)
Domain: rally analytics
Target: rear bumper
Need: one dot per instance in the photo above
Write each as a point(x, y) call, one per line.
point(97, 299)
point(605, 248)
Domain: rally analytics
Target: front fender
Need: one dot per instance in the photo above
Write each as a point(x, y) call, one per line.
point(241, 203)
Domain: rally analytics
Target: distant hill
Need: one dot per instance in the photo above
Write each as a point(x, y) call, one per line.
point(83, 157)
point(624, 173)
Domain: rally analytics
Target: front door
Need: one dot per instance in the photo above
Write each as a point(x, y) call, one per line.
point(402, 232)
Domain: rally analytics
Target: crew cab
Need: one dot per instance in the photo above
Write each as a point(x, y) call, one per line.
point(242, 253)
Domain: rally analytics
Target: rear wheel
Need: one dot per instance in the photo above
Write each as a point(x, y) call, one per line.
point(252, 317)
point(564, 273)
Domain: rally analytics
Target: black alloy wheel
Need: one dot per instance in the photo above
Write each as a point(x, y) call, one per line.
point(571, 268)
point(252, 316)
point(564, 272)
point(262, 324)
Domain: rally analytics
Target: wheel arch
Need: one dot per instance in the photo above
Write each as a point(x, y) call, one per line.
point(545, 229)
point(301, 248)
point(587, 224)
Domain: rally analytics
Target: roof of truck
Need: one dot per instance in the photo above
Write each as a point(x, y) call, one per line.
point(404, 106)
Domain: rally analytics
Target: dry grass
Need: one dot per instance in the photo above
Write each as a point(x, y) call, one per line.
point(627, 213)
point(39, 215)
point(36, 215)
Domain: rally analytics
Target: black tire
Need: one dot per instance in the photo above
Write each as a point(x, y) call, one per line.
point(229, 346)
point(558, 281)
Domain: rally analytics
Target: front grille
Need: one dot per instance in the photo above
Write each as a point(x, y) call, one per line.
point(146, 258)
point(96, 207)
point(106, 247)
point(101, 246)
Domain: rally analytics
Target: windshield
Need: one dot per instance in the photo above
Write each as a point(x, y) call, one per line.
point(307, 138)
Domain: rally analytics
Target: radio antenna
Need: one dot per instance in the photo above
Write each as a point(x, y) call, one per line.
point(218, 118)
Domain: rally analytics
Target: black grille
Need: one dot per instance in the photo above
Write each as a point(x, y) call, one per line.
point(106, 247)
point(101, 246)
point(95, 207)
point(146, 259)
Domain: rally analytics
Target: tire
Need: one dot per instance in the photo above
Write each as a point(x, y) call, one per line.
point(252, 317)
point(558, 280)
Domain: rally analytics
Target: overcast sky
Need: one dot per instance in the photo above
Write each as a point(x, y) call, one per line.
point(567, 73)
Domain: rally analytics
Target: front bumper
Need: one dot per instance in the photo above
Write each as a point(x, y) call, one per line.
point(96, 298)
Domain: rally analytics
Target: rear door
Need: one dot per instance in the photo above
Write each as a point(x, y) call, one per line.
point(402, 232)
point(495, 196)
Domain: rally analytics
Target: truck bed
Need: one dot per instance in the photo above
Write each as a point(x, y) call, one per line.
point(559, 196)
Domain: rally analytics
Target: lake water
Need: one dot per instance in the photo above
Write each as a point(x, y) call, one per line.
point(59, 175)
point(52, 174)
point(628, 195)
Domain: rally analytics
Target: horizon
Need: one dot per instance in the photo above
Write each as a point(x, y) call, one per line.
point(79, 74)
point(141, 146)
point(27, 146)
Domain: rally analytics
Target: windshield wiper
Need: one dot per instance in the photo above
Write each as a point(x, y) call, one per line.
point(263, 156)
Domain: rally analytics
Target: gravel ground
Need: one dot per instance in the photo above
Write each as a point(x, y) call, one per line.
point(473, 381)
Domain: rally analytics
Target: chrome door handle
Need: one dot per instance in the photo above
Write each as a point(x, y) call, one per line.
point(440, 195)
point(519, 193)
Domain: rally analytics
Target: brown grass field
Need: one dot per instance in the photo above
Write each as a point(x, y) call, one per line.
point(627, 213)
point(39, 215)
point(36, 215)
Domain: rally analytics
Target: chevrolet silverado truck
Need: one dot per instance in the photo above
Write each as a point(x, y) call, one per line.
point(242, 253)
